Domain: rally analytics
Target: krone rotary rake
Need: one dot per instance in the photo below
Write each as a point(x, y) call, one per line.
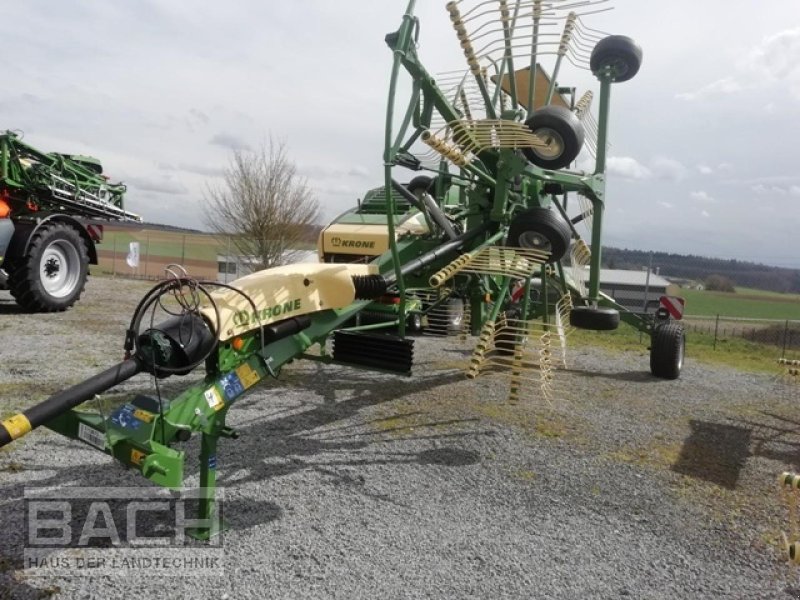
point(484, 235)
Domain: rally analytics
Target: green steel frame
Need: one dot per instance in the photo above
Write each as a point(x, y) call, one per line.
point(143, 439)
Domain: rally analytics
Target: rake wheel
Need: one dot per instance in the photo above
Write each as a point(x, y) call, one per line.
point(618, 52)
point(562, 133)
point(541, 229)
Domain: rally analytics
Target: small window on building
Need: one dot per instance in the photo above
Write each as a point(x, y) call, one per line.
point(227, 267)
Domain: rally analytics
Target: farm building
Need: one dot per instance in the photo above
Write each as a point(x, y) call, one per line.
point(635, 290)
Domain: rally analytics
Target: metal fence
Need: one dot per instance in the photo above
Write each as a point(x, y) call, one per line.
point(781, 333)
point(144, 254)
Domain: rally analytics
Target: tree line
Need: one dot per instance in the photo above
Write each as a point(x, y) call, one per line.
point(701, 268)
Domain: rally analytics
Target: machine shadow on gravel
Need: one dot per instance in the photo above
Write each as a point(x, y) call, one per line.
point(717, 452)
point(631, 376)
point(292, 435)
point(714, 452)
point(776, 437)
point(285, 434)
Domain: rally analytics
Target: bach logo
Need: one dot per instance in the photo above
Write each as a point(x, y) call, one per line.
point(98, 531)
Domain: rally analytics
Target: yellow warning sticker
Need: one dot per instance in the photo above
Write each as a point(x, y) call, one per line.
point(17, 426)
point(143, 415)
point(137, 456)
point(213, 398)
point(247, 375)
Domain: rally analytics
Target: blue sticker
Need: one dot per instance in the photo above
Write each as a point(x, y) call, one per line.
point(123, 417)
point(231, 386)
point(212, 461)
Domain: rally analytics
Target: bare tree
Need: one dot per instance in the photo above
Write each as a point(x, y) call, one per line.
point(264, 205)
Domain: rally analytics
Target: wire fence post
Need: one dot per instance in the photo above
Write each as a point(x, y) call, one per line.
point(114, 258)
point(785, 336)
point(716, 329)
point(146, 253)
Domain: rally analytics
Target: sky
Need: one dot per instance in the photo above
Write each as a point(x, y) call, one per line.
point(704, 152)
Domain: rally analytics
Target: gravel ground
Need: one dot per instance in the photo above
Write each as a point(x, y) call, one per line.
point(350, 484)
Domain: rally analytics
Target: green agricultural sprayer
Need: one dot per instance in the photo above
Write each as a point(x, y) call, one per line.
point(52, 210)
point(488, 228)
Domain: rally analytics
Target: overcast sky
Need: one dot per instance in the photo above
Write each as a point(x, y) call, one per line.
point(704, 156)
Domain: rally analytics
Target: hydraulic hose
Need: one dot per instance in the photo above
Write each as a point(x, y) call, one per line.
point(430, 206)
point(439, 252)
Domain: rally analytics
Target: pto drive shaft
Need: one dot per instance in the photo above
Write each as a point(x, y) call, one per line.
point(18, 425)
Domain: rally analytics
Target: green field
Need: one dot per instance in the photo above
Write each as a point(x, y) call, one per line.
point(745, 303)
point(733, 352)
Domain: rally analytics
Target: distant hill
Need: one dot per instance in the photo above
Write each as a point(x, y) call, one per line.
point(745, 274)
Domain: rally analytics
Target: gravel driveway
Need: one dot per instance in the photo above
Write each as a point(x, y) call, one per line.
point(350, 484)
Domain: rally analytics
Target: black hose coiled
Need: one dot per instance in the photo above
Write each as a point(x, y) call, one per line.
point(369, 287)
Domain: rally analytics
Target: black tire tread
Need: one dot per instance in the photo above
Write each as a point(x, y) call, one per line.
point(665, 347)
point(24, 283)
point(594, 319)
point(615, 48)
point(542, 220)
point(569, 127)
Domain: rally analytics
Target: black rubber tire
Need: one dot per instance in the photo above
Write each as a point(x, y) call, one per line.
point(667, 350)
point(52, 276)
point(414, 322)
point(542, 229)
point(420, 182)
point(620, 52)
point(596, 319)
point(563, 131)
point(447, 318)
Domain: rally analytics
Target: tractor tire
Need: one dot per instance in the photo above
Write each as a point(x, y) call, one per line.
point(596, 319)
point(563, 134)
point(667, 349)
point(619, 52)
point(414, 322)
point(541, 229)
point(52, 276)
point(448, 318)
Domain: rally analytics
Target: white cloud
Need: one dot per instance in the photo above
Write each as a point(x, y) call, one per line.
point(659, 167)
point(701, 196)
point(794, 190)
point(667, 168)
point(704, 213)
point(705, 169)
point(726, 85)
point(763, 189)
point(666, 204)
point(777, 60)
point(627, 167)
